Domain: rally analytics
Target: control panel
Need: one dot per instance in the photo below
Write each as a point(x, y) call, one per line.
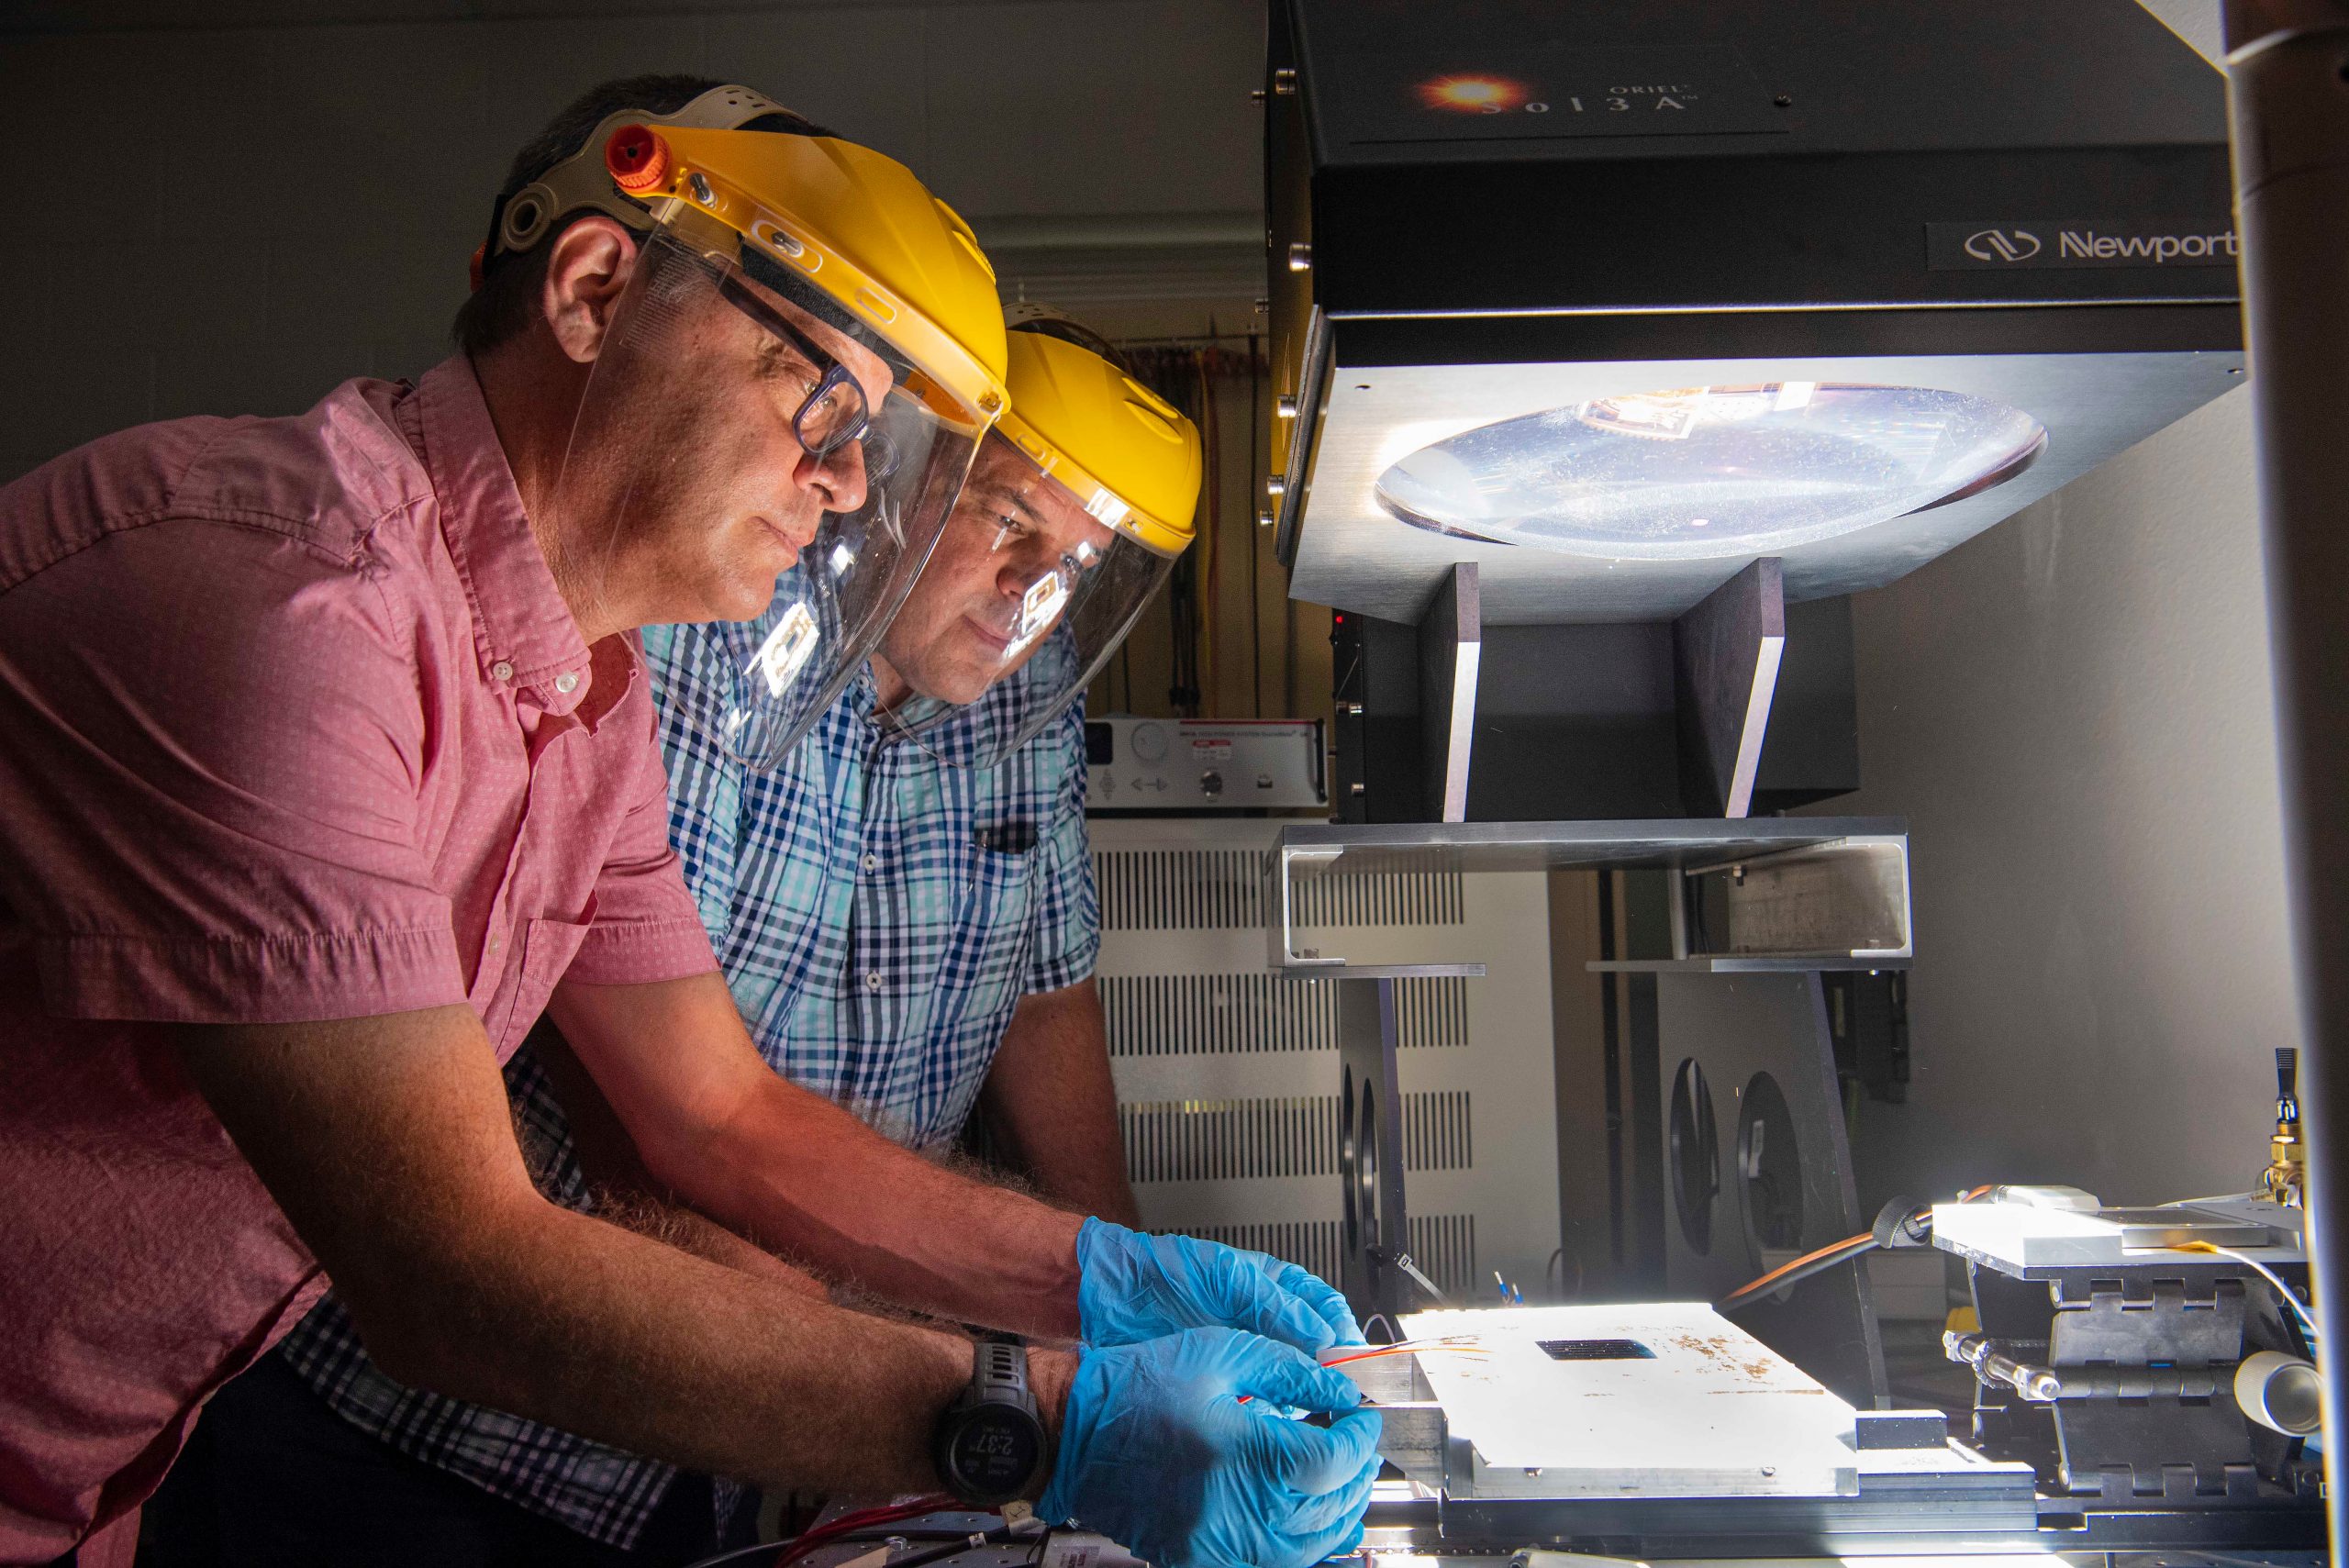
point(1186, 765)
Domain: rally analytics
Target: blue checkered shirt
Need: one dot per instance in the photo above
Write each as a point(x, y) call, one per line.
point(878, 908)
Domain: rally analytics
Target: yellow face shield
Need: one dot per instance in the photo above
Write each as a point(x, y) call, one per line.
point(1076, 510)
point(781, 411)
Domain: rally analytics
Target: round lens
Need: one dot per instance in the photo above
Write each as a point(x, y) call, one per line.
point(1711, 470)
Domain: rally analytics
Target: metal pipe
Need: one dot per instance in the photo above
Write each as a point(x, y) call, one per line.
point(2287, 73)
point(2039, 1385)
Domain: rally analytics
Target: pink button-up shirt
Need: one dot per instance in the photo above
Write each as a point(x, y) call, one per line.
point(294, 724)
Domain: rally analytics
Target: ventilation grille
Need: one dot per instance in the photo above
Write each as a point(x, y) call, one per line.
point(1429, 1010)
point(1208, 890)
point(1308, 1243)
point(1224, 1140)
point(1229, 1141)
point(1443, 1246)
point(1428, 897)
point(1435, 1131)
point(1175, 1015)
point(1179, 889)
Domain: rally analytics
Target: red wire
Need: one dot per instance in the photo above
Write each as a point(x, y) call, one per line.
point(815, 1536)
point(1404, 1347)
point(847, 1524)
point(1407, 1348)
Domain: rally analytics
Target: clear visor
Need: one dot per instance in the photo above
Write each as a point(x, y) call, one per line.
point(1030, 589)
point(747, 453)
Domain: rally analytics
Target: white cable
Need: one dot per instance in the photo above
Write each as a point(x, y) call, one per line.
point(763, 1547)
point(2214, 1197)
point(2270, 1275)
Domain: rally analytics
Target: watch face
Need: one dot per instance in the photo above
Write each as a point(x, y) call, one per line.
point(997, 1451)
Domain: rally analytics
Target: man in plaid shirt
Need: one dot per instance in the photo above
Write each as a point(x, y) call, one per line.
point(906, 915)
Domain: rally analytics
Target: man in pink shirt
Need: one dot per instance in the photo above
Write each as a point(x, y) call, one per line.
point(326, 765)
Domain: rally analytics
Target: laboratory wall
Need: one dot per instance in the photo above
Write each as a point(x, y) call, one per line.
point(245, 203)
point(2073, 711)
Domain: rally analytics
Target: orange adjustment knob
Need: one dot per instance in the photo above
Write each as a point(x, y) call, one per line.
point(638, 159)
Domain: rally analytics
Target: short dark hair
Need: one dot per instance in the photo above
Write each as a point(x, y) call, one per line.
point(502, 307)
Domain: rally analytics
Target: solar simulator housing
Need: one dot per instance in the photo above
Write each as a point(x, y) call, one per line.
point(1613, 298)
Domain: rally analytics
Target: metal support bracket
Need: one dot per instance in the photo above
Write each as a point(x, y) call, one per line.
point(1306, 964)
point(1725, 657)
point(1451, 651)
point(1375, 1230)
point(1767, 894)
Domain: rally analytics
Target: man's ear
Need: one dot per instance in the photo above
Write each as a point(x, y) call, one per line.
point(587, 271)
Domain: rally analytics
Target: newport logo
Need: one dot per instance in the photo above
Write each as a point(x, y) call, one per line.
point(2002, 245)
point(2034, 243)
point(2089, 245)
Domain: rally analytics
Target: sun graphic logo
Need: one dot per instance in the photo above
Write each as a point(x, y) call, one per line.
point(1472, 95)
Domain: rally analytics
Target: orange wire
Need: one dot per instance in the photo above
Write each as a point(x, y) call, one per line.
point(1409, 1347)
point(1405, 1347)
point(1750, 1288)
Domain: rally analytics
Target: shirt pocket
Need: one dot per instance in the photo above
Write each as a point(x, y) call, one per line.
point(986, 958)
point(548, 948)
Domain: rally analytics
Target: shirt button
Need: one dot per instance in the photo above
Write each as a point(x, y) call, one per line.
point(871, 862)
point(566, 682)
point(502, 669)
point(873, 980)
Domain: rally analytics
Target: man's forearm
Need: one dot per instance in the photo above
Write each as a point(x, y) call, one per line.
point(794, 1173)
point(600, 1331)
point(1051, 1097)
point(625, 1191)
point(386, 1142)
point(799, 1174)
point(672, 1225)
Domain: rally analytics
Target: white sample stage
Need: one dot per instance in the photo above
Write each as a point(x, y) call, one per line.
point(1627, 1399)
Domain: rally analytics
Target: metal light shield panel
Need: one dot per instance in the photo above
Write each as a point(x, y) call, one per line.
point(2044, 419)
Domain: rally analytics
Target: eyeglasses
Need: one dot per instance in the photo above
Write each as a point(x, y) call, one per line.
point(834, 412)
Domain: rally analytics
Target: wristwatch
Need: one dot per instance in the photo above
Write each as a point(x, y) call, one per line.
point(989, 1445)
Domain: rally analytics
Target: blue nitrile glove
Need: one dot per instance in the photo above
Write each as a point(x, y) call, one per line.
point(1158, 1453)
point(1133, 1287)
